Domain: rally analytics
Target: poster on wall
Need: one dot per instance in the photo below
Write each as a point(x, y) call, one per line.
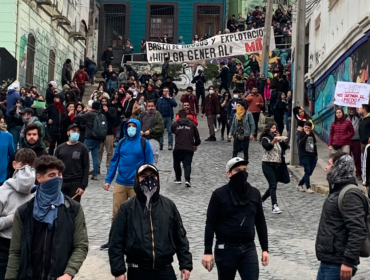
point(225, 45)
point(351, 94)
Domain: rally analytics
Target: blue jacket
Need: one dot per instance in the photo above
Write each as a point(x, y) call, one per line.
point(165, 106)
point(11, 98)
point(7, 152)
point(129, 157)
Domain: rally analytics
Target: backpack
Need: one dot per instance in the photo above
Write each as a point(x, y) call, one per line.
point(365, 250)
point(100, 127)
point(143, 144)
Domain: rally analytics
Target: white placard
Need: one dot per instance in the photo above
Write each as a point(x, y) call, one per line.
point(225, 45)
point(351, 94)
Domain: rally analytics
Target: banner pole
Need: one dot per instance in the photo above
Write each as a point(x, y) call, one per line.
point(266, 39)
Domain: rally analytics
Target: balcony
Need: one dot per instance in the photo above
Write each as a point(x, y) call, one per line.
point(62, 20)
point(44, 2)
point(77, 36)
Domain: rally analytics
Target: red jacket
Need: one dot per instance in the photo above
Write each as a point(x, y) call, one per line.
point(81, 77)
point(193, 101)
point(191, 116)
point(341, 132)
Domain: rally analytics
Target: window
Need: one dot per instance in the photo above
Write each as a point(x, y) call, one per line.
point(115, 25)
point(51, 69)
point(161, 22)
point(30, 64)
point(208, 20)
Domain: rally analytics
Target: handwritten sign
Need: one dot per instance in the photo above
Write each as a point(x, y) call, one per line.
point(351, 94)
point(225, 45)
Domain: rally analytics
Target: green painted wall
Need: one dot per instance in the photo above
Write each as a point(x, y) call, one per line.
point(8, 25)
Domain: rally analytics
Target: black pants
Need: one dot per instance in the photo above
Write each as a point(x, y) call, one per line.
point(55, 139)
point(165, 273)
point(69, 189)
point(256, 117)
point(186, 157)
point(82, 91)
point(271, 171)
point(224, 85)
point(223, 125)
point(241, 258)
point(280, 123)
point(200, 92)
point(4, 252)
point(244, 144)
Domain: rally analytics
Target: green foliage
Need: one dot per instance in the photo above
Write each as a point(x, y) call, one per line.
point(175, 70)
point(211, 71)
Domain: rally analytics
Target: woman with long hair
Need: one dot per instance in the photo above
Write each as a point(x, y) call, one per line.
point(71, 113)
point(115, 102)
point(272, 160)
point(224, 104)
point(341, 132)
point(281, 107)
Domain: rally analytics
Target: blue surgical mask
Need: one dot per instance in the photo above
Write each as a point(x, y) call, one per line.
point(74, 136)
point(131, 131)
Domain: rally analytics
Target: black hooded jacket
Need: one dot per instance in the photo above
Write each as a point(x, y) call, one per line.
point(132, 231)
point(187, 135)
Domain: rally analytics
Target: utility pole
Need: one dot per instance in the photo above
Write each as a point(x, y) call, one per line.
point(266, 39)
point(299, 28)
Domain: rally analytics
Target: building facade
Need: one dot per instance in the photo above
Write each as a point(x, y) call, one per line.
point(337, 49)
point(151, 20)
point(42, 34)
point(247, 6)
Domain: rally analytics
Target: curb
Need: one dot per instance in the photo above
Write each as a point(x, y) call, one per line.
point(296, 173)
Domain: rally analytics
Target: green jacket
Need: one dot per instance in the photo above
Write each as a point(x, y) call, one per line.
point(42, 134)
point(156, 129)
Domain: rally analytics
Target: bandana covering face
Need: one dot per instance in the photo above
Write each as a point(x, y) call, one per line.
point(240, 111)
point(149, 187)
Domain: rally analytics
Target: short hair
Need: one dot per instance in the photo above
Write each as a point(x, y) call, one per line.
point(166, 88)
point(256, 7)
point(308, 123)
point(82, 66)
point(104, 98)
point(110, 47)
point(366, 107)
point(190, 88)
point(70, 103)
point(167, 58)
point(182, 113)
point(150, 101)
point(236, 91)
point(222, 63)
point(335, 157)
point(68, 61)
point(32, 126)
point(43, 163)
point(26, 156)
point(233, 15)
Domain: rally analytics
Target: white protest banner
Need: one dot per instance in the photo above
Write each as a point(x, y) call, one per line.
point(225, 45)
point(351, 94)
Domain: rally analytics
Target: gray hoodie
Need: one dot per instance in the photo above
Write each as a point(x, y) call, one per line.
point(14, 192)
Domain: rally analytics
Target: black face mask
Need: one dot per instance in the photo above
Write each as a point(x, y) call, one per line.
point(240, 189)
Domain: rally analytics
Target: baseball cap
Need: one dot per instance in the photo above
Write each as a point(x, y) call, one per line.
point(53, 83)
point(27, 111)
point(72, 126)
point(146, 166)
point(235, 161)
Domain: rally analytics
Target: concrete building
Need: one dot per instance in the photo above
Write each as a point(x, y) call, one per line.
point(151, 20)
point(42, 34)
point(246, 6)
point(337, 49)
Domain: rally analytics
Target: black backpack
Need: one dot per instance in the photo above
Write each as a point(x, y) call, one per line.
point(100, 127)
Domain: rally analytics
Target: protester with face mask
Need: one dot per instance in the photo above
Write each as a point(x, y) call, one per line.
point(132, 151)
point(234, 214)
point(14, 192)
point(58, 244)
point(151, 94)
point(131, 231)
point(75, 157)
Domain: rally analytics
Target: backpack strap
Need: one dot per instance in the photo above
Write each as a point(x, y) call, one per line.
point(143, 144)
point(343, 193)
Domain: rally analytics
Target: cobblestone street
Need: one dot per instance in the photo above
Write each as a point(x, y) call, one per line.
point(291, 234)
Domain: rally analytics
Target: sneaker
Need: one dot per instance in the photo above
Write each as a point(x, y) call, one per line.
point(92, 172)
point(187, 184)
point(177, 182)
point(300, 188)
point(228, 139)
point(161, 147)
point(309, 190)
point(276, 209)
point(211, 139)
point(104, 246)
point(170, 147)
point(94, 177)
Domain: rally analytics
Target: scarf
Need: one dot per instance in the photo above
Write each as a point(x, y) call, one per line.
point(149, 187)
point(240, 111)
point(239, 188)
point(342, 172)
point(59, 106)
point(47, 199)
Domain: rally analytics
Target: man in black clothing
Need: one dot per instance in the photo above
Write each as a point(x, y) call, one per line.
point(148, 216)
point(284, 84)
point(200, 91)
point(234, 211)
point(67, 72)
point(342, 229)
point(224, 76)
point(170, 85)
point(364, 127)
point(75, 157)
point(186, 142)
point(107, 57)
point(232, 24)
point(165, 69)
point(232, 69)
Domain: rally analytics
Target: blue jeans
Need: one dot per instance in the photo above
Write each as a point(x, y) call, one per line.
point(328, 271)
point(167, 125)
point(91, 69)
point(94, 147)
point(309, 164)
point(16, 132)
